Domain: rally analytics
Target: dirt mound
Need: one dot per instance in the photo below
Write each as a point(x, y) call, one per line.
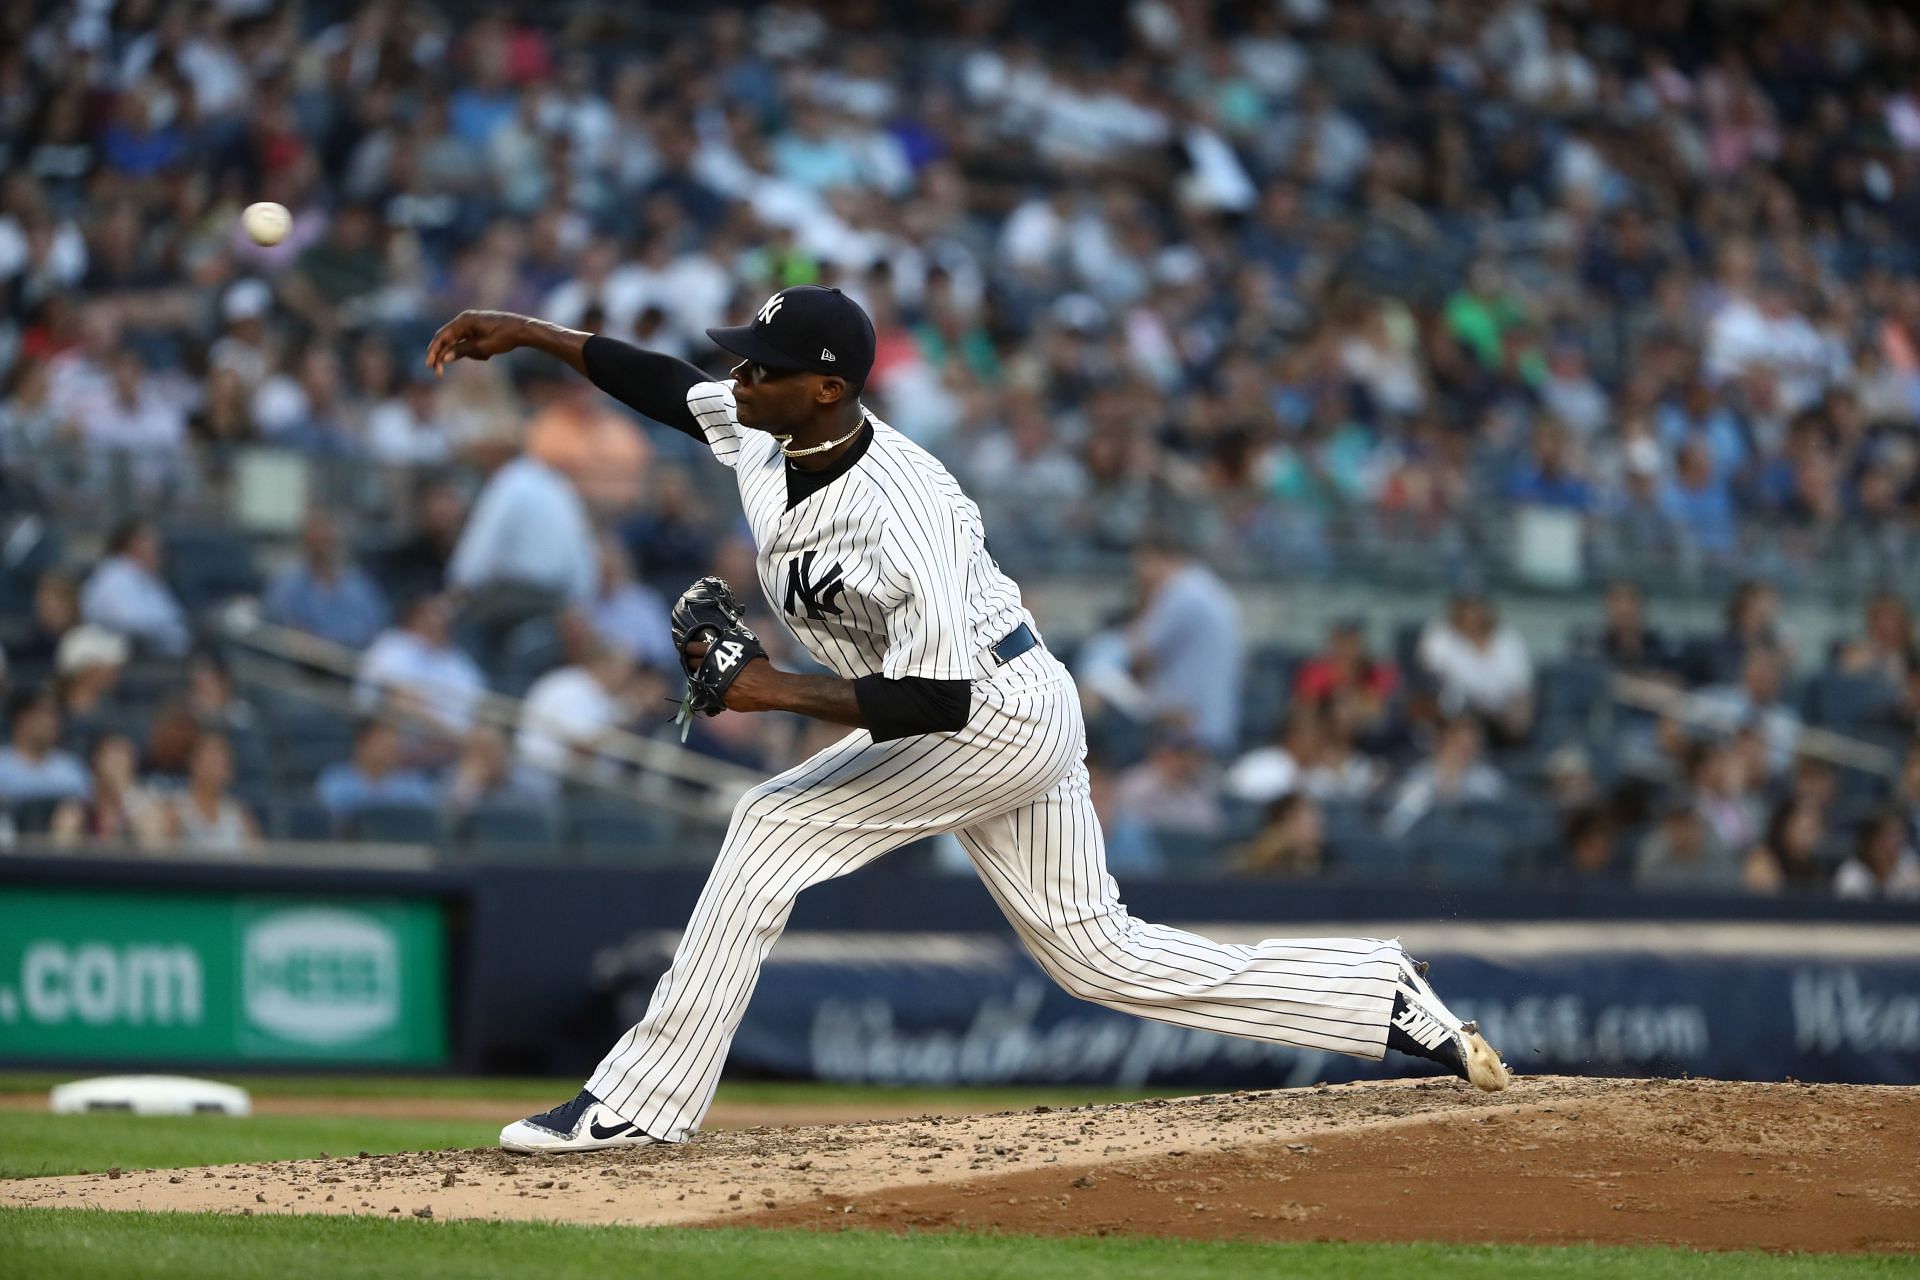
point(1691, 1162)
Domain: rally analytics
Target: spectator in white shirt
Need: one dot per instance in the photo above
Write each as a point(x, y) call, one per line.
point(416, 668)
point(568, 712)
point(1481, 667)
point(132, 421)
point(126, 593)
point(405, 429)
point(1884, 866)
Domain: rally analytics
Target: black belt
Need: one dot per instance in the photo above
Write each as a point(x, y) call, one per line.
point(1015, 643)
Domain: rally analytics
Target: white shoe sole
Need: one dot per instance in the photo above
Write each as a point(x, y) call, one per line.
point(1485, 1070)
point(522, 1139)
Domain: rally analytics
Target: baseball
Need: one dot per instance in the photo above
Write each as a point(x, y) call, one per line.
point(266, 223)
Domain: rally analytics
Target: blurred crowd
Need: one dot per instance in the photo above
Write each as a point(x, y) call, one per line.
point(1456, 753)
point(1170, 280)
point(1282, 268)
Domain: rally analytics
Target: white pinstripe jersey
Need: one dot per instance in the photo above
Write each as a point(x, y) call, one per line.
point(885, 570)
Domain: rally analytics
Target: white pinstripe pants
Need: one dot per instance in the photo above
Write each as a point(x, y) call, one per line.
point(1013, 787)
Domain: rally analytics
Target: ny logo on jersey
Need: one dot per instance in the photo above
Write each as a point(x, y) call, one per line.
point(728, 655)
point(817, 594)
point(770, 309)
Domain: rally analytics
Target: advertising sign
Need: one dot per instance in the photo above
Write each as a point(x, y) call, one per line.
point(122, 977)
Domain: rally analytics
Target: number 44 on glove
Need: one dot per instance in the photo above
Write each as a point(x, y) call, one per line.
point(707, 611)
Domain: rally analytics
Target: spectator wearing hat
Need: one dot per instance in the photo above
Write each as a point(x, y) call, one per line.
point(32, 766)
point(126, 593)
point(325, 594)
point(86, 670)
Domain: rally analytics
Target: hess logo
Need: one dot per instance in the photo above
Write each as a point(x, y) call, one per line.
point(321, 976)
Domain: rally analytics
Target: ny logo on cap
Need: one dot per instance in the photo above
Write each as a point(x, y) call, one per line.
point(771, 309)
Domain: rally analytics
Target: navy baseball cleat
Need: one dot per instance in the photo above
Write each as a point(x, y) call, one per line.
point(585, 1124)
point(1425, 1028)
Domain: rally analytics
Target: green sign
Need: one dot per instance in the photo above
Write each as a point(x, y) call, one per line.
point(220, 976)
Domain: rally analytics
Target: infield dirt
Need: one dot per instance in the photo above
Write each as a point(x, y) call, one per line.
point(1702, 1163)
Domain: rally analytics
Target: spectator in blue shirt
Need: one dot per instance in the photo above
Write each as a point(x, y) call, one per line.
point(1698, 502)
point(323, 593)
point(126, 593)
point(373, 776)
point(32, 766)
point(1549, 475)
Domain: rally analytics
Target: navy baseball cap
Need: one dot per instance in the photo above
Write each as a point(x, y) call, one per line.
point(805, 327)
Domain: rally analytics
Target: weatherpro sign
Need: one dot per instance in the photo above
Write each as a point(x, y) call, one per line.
point(220, 977)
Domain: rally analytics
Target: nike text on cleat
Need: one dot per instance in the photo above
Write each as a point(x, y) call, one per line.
point(584, 1124)
point(1423, 1027)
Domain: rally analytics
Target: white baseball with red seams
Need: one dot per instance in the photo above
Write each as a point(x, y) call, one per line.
point(885, 570)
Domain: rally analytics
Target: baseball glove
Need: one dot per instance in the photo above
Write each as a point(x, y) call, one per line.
point(707, 611)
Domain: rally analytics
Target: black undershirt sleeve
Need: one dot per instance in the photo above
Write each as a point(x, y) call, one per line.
point(913, 705)
point(654, 384)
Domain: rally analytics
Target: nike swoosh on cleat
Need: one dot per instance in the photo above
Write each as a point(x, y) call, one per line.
point(611, 1131)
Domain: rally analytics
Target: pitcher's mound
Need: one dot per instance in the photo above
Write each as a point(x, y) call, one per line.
point(1702, 1163)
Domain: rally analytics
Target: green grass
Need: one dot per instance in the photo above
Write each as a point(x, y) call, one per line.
point(35, 1143)
point(71, 1244)
point(549, 1092)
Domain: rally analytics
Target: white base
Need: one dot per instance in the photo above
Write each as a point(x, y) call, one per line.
point(151, 1096)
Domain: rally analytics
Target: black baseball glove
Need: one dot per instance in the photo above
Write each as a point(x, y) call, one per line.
point(707, 611)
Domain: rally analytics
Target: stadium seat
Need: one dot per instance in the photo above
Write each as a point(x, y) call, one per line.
point(397, 824)
point(1465, 860)
point(1838, 700)
point(1187, 853)
point(1368, 855)
point(207, 564)
point(610, 833)
point(300, 820)
point(1571, 690)
point(511, 833)
point(34, 817)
